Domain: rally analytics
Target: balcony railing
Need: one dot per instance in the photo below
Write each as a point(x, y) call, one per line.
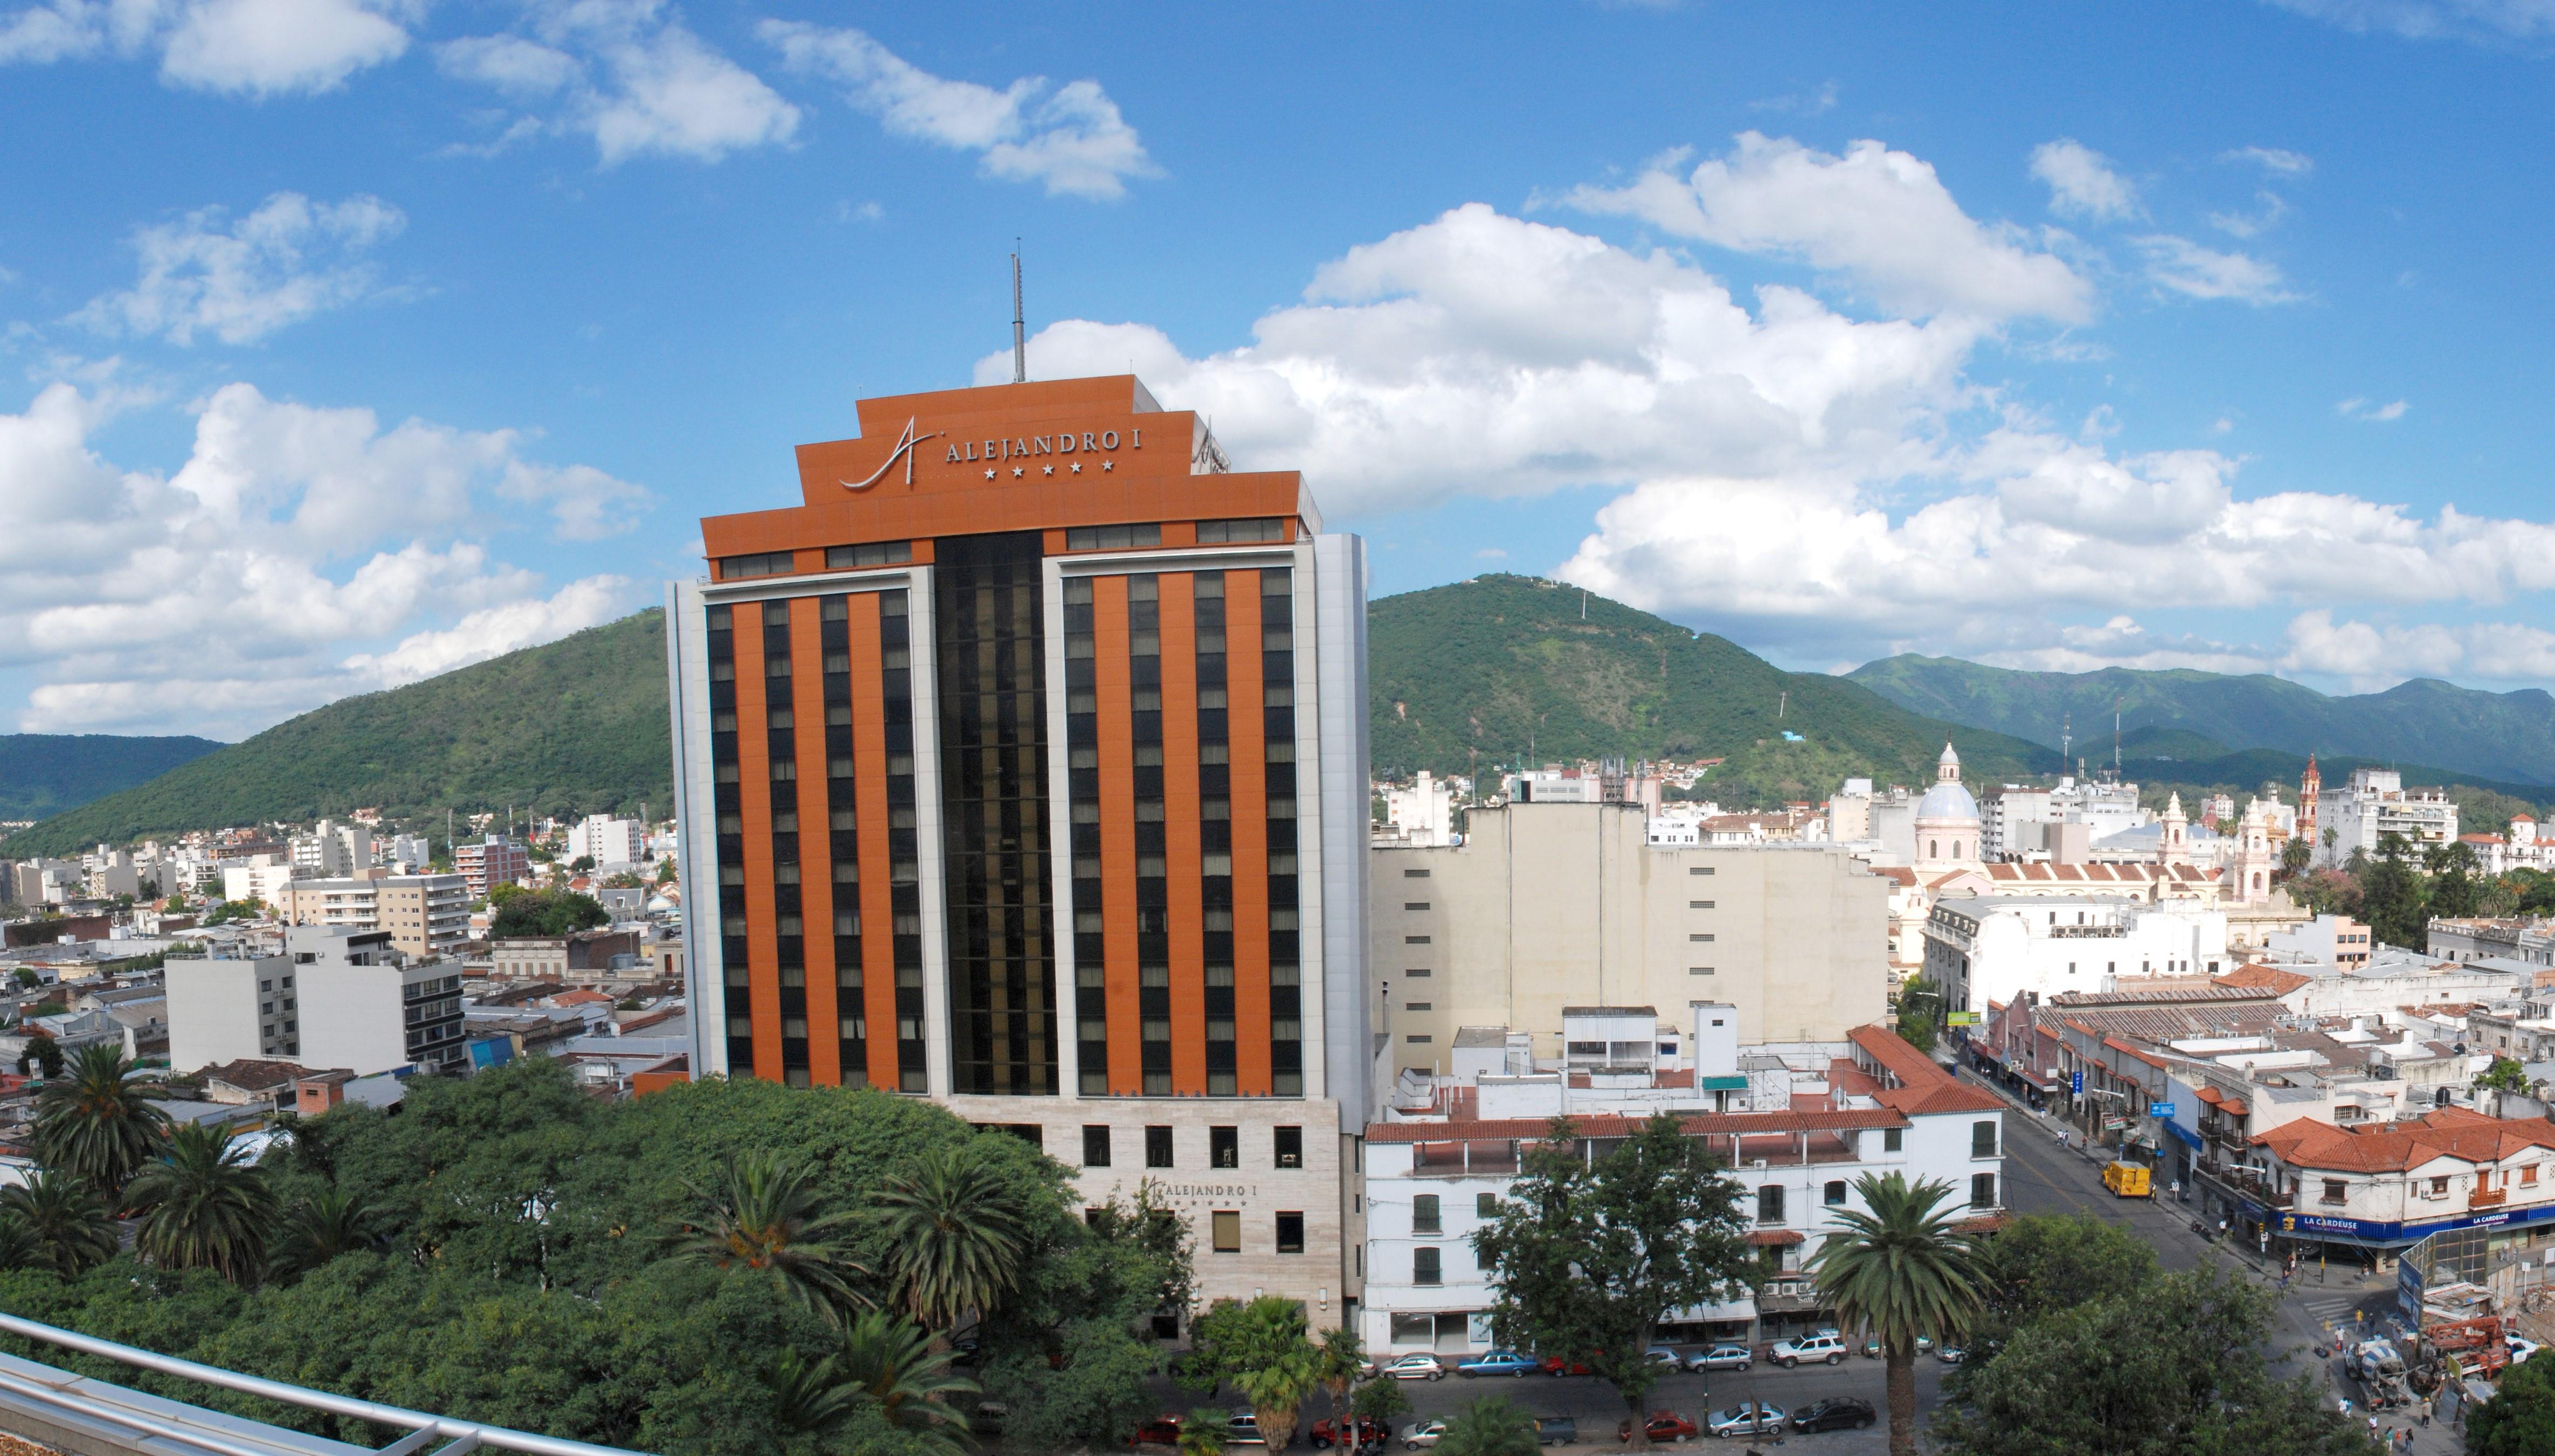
point(2487, 1198)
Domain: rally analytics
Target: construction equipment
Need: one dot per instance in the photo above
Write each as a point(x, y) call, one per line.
point(2129, 1180)
point(2380, 1373)
point(2480, 1346)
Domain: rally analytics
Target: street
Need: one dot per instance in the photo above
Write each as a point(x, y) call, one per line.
point(1593, 1405)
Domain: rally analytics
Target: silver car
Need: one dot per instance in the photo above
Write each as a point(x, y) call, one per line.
point(1747, 1419)
point(1421, 1366)
point(1423, 1433)
point(1721, 1357)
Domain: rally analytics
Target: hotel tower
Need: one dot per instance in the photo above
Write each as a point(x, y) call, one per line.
point(1023, 765)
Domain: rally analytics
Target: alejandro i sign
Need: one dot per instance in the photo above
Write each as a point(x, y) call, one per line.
point(1019, 447)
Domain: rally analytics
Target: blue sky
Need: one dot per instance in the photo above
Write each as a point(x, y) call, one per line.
point(357, 339)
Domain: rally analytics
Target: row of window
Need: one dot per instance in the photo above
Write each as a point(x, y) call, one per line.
point(1223, 1146)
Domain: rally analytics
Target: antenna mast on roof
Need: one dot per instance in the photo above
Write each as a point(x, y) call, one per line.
point(2066, 739)
point(1019, 331)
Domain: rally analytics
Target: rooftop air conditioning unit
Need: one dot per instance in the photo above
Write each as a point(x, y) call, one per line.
point(1757, 1163)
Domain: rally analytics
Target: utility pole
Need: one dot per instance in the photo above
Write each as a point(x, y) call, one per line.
point(1020, 329)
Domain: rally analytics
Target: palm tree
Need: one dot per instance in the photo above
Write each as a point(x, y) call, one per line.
point(1342, 1353)
point(895, 1361)
point(764, 1216)
point(320, 1226)
point(18, 1248)
point(809, 1396)
point(98, 1123)
point(1900, 1271)
point(203, 1205)
point(1491, 1426)
point(955, 1235)
point(64, 1218)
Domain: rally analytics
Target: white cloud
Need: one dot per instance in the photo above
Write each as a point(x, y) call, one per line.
point(2185, 267)
point(261, 578)
point(628, 74)
point(2245, 225)
point(2275, 160)
point(1879, 217)
point(252, 47)
point(2360, 409)
point(2082, 183)
point(290, 259)
point(1073, 139)
point(2492, 20)
point(1784, 475)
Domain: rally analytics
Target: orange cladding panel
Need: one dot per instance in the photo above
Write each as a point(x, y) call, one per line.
point(1246, 730)
point(754, 801)
point(1180, 832)
point(1114, 728)
point(869, 797)
point(815, 846)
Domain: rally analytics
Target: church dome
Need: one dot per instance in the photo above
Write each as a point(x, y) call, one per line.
point(1947, 801)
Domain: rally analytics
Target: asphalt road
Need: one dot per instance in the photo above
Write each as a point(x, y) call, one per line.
point(1598, 1409)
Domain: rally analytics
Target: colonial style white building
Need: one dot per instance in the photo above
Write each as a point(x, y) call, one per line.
point(2386, 1186)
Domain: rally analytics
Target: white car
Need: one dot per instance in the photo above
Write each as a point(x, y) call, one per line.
point(1418, 1367)
point(1791, 1353)
point(1423, 1433)
point(1951, 1355)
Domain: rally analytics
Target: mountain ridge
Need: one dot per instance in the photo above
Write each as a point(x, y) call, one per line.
point(46, 774)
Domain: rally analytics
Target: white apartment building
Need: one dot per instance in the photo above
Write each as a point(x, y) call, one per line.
point(2374, 803)
point(2388, 1186)
point(2018, 822)
point(607, 840)
point(1449, 1150)
point(2334, 940)
point(1996, 947)
point(1418, 816)
point(333, 999)
point(332, 849)
point(425, 915)
point(225, 1007)
point(264, 879)
point(1547, 906)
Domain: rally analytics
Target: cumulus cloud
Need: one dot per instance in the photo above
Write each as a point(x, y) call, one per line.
point(1073, 138)
point(626, 73)
point(2182, 265)
point(261, 577)
point(1782, 473)
point(2360, 409)
point(250, 48)
point(2274, 160)
point(2481, 20)
point(1880, 218)
point(2082, 183)
point(240, 281)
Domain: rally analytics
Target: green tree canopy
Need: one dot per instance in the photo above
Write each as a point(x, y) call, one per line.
point(2504, 1075)
point(2519, 1421)
point(1897, 1267)
point(1263, 1349)
point(1586, 1256)
point(98, 1123)
point(954, 1239)
point(1493, 1425)
point(520, 912)
point(203, 1205)
point(2043, 1264)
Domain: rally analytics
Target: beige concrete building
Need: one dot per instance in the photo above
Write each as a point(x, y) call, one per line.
point(1552, 905)
point(425, 915)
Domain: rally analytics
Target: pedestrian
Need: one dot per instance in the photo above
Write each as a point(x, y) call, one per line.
point(2346, 1408)
point(2372, 1427)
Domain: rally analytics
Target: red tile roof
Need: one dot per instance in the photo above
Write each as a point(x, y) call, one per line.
point(1922, 1084)
point(2451, 1131)
point(2251, 977)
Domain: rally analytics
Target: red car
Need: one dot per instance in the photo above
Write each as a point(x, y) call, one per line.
point(1162, 1433)
point(1663, 1427)
point(1329, 1434)
point(1554, 1365)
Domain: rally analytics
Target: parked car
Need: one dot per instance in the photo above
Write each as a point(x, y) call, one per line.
point(1164, 1431)
point(1791, 1353)
point(1747, 1419)
point(2521, 1349)
point(1352, 1432)
point(1721, 1357)
point(1556, 1430)
point(1423, 1433)
point(1499, 1361)
point(1242, 1429)
point(1554, 1365)
point(1835, 1414)
point(1664, 1354)
point(1872, 1347)
point(1421, 1366)
point(1663, 1427)
point(1951, 1355)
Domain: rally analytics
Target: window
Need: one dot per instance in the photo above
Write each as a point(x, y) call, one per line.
point(1112, 537)
point(1769, 1204)
point(2529, 1176)
point(1262, 527)
point(2336, 1191)
point(1421, 973)
point(1423, 1268)
point(1158, 1148)
point(1414, 939)
point(1095, 1147)
point(1224, 1147)
point(1416, 1006)
point(1414, 905)
point(775, 563)
point(1983, 1190)
point(1834, 1193)
point(1419, 1040)
point(1698, 904)
point(1983, 1139)
point(1698, 869)
point(1225, 1231)
point(1291, 1233)
point(880, 554)
point(1415, 874)
point(1701, 938)
point(1698, 970)
point(1424, 1217)
point(1486, 1206)
point(1892, 1140)
point(1291, 1147)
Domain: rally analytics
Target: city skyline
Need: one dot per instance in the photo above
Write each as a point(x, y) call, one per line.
point(422, 335)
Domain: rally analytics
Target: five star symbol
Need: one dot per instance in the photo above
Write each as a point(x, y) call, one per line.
point(1077, 467)
point(989, 472)
point(1015, 472)
point(1047, 470)
point(1108, 464)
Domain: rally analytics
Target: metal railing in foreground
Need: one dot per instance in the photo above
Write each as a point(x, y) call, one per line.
point(90, 1416)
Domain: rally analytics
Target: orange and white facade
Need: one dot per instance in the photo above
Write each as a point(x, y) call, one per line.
point(1022, 764)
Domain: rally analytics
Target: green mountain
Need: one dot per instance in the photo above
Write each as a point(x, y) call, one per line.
point(2506, 736)
point(575, 726)
point(44, 774)
point(1512, 670)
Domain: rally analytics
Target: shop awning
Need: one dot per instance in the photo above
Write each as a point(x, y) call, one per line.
point(1771, 1238)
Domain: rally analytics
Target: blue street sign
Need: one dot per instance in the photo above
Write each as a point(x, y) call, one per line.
point(2076, 1084)
point(2159, 1108)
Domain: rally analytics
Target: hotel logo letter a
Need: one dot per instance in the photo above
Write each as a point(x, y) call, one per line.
point(905, 447)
